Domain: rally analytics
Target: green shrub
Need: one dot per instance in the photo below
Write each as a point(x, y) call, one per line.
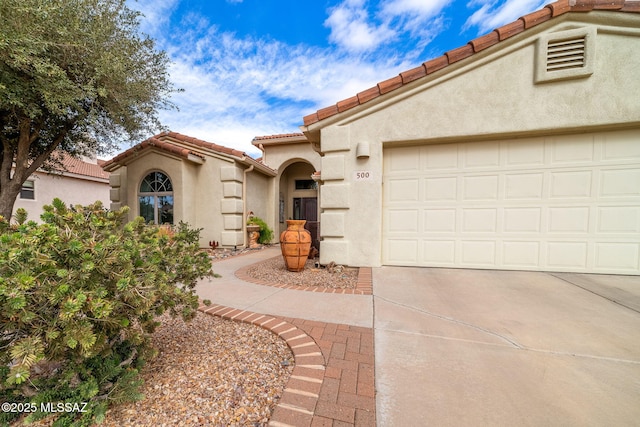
point(78, 299)
point(266, 234)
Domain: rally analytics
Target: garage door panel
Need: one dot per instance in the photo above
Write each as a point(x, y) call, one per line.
point(479, 220)
point(440, 220)
point(480, 187)
point(440, 157)
point(440, 189)
point(620, 183)
point(521, 155)
point(440, 253)
point(569, 220)
point(572, 149)
point(521, 254)
point(481, 155)
point(619, 219)
point(566, 203)
point(524, 186)
point(571, 184)
point(522, 220)
point(402, 251)
point(403, 221)
point(404, 190)
point(403, 160)
point(619, 256)
point(621, 146)
point(566, 255)
point(478, 253)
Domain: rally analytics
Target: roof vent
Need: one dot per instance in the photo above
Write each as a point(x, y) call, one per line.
point(565, 55)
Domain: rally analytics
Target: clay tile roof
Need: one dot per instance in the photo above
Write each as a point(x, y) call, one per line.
point(530, 20)
point(154, 142)
point(174, 143)
point(204, 144)
point(80, 167)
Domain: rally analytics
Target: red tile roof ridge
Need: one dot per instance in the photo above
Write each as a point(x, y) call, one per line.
point(153, 141)
point(474, 46)
point(240, 155)
point(166, 141)
point(202, 144)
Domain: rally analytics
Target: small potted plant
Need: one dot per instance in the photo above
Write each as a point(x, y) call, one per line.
point(258, 230)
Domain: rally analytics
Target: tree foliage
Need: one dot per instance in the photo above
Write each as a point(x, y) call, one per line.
point(78, 298)
point(75, 76)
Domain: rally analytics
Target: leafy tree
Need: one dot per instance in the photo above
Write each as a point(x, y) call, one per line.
point(76, 76)
point(78, 298)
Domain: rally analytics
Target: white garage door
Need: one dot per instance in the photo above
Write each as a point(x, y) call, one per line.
point(565, 203)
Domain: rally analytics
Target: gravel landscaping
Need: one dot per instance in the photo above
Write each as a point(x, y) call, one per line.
point(210, 372)
point(332, 276)
point(215, 372)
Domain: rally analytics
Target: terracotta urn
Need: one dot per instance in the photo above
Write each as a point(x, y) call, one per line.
point(295, 243)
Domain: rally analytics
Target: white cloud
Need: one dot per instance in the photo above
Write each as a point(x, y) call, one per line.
point(425, 9)
point(355, 29)
point(493, 14)
point(351, 28)
point(236, 88)
point(156, 13)
point(239, 88)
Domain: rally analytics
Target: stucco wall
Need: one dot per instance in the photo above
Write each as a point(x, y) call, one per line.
point(490, 95)
point(72, 191)
point(279, 156)
point(260, 199)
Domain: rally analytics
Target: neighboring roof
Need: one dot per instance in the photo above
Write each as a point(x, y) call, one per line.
point(80, 167)
point(183, 146)
point(74, 167)
point(474, 46)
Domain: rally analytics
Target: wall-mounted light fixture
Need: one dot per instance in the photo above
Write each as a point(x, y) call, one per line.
point(362, 150)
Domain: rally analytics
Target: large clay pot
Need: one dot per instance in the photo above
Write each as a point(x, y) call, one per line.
point(295, 243)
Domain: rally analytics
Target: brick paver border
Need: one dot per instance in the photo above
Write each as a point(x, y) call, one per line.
point(332, 382)
point(364, 285)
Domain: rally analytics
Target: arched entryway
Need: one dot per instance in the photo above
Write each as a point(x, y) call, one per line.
point(298, 197)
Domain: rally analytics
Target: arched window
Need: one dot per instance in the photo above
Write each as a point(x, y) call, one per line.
point(156, 198)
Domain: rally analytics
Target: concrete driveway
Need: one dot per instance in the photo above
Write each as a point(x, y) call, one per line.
point(473, 347)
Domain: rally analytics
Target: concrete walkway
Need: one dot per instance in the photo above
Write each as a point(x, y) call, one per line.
point(228, 290)
point(473, 347)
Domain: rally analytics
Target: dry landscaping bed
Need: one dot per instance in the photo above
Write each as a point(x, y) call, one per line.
point(214, 372)
point(333, 276)
point(210, 372)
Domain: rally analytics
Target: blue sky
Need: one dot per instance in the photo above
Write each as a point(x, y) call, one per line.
point(257, 67)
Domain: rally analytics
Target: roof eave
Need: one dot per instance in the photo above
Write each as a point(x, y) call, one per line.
point(327, 116)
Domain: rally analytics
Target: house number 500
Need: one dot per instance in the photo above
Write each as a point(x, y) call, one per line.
point(362, 175)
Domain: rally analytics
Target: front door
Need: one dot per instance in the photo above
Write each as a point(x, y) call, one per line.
point(307, 208)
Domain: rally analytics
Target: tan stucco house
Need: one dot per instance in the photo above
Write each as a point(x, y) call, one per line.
point(172, 177)
point(81, 181)
point(519, 150)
